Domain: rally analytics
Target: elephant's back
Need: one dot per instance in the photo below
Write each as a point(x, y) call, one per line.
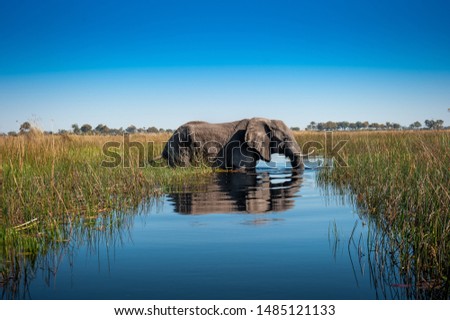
point(195, 123)
point(221, 124)
point(216, 131)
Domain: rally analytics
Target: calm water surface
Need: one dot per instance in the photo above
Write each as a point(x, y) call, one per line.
point(268, 235)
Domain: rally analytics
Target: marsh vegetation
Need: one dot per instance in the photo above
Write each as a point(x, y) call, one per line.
point(55, 188)
point(53, 185)
point(400, 180)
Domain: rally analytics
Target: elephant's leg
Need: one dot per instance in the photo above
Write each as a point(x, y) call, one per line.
point(244, 159)
point(184, 157)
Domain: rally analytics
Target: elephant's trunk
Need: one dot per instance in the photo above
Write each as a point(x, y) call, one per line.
point(293, 152)
point(297, 163)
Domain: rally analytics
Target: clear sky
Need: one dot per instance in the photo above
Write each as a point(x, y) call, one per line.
point(163, 63)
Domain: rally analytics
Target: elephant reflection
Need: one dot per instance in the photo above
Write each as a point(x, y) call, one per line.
point(240, 192)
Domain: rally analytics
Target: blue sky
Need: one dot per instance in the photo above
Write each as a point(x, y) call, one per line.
point(163, 63)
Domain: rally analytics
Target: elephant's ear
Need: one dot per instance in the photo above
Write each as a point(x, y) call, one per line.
point(257, 137)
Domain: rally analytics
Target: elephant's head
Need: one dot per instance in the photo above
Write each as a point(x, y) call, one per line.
point(273, 136)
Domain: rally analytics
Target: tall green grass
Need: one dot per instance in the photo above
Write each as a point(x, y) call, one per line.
point(401, 181)
point(53, 185)
point(54, 188)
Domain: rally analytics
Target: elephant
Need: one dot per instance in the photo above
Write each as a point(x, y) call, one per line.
point(234, 145)
point(227, 192)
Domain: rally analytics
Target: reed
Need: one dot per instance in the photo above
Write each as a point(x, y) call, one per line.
point(52, 185)
point(55, 187)
point(401, 181)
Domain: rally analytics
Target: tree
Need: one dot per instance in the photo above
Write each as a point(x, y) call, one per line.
point(76, 128)
point(330, 126)
point(113, 132)
point(434, 125)
point(25, 127)
point(131, 129)
point(102, 129)
point(295, 129)
point(375, 126)
point(312, 126)
point(388, 126)
point(86, 128)
point(415, 125)
point(396, 126)
point(429, 123)
point(152, 130)
point(359, 125)
point(343, 125)
point(321, 126)
point(12, 134)
point(439, 124)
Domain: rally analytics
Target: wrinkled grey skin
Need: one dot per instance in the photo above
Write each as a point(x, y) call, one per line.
point(232, 145)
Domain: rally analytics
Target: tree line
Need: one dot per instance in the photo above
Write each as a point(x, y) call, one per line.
point(102, 129)
point(365, 125)
point(87, 129)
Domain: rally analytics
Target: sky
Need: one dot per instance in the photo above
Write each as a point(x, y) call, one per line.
point(163, 63)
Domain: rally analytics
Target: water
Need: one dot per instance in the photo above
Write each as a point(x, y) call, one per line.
point(269, 235)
